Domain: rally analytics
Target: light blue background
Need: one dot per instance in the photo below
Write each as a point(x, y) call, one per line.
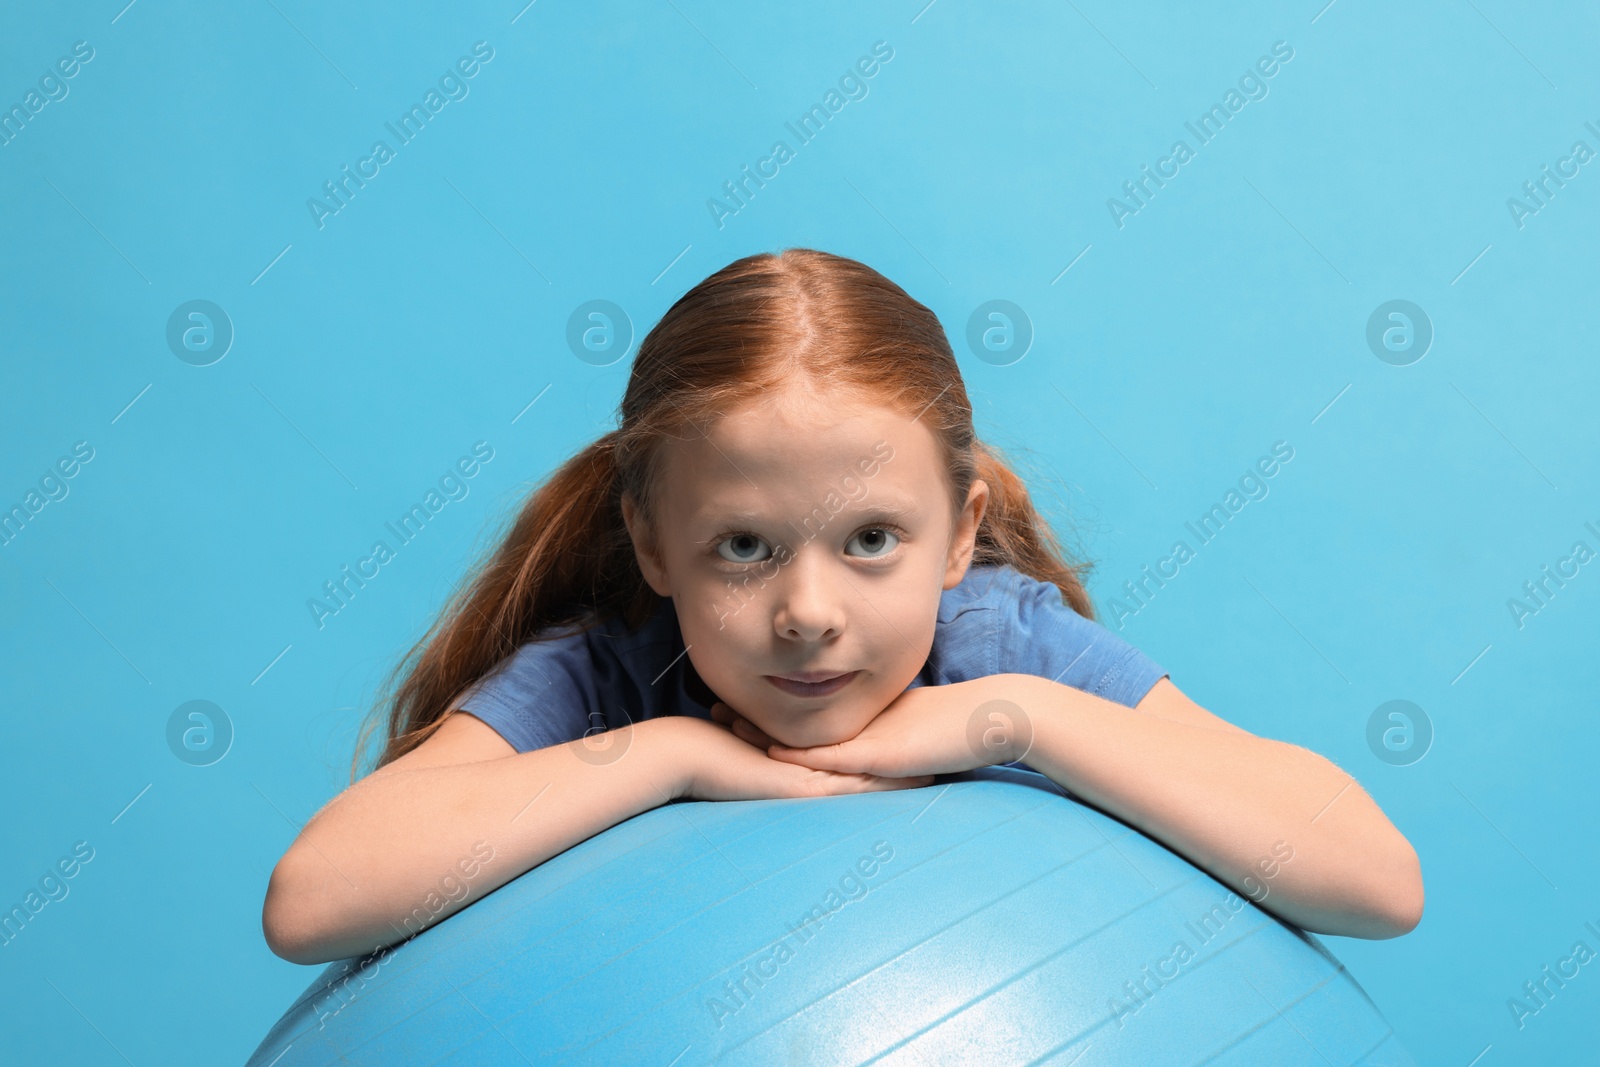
point(1228, 314)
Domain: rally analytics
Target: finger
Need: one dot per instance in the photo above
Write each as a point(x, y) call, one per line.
point(842, 757)
point(872, 783)
point(741, 727)
point(749, 731)
point(757, 735)
point(881, 781)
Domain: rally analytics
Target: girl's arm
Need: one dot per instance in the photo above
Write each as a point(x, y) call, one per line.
point(384, 857)
point(1278, 823)
point(463, 813)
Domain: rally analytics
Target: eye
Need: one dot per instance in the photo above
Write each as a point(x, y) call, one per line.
point(879, 541)
point(745, 548)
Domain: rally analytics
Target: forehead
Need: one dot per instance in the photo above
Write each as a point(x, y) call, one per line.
point(788, 453)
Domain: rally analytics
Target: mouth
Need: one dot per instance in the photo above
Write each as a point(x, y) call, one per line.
point(811, 683)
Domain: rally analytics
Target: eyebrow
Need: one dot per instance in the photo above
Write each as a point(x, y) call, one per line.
point(889, 508)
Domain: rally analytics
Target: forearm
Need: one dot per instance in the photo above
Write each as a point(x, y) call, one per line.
point(1234, 804)
point(391, 854)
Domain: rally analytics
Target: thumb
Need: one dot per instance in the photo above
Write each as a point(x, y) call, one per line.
point(846, 756)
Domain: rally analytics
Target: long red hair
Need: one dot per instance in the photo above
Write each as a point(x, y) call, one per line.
point(567, 560)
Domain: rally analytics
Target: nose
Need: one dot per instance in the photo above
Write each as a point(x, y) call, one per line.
point(810, 605)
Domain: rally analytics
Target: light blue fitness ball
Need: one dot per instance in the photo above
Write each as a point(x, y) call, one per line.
point(985, 919)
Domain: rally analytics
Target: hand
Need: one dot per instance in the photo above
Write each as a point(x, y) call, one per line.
point(721, 766)
point(940, 729)
point(741, 727)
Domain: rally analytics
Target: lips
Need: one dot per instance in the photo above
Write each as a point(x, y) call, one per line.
point(811, 683)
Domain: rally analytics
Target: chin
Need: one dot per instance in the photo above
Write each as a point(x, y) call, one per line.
point(827, 726)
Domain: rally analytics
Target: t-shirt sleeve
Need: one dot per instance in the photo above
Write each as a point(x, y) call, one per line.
point(540, 695)
point(1047, 638)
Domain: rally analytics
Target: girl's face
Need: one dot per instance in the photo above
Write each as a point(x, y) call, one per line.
point(807, 537)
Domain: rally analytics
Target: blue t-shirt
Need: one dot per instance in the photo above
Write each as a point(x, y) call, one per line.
point(996, 621)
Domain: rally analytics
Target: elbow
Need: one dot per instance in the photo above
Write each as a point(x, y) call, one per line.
point(1395, 906)
point(1408, 912)
point(285, 923)
point(287, 944)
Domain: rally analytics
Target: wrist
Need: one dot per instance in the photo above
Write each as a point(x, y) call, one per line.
point(669, 751)
point(1035, 700)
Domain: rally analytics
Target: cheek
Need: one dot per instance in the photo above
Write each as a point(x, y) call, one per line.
point(903, 633)
point(722, 636)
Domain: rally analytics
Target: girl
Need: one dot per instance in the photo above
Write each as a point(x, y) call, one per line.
point(794, 571)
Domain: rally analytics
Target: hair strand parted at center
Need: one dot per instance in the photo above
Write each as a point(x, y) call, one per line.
point(566, 562)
